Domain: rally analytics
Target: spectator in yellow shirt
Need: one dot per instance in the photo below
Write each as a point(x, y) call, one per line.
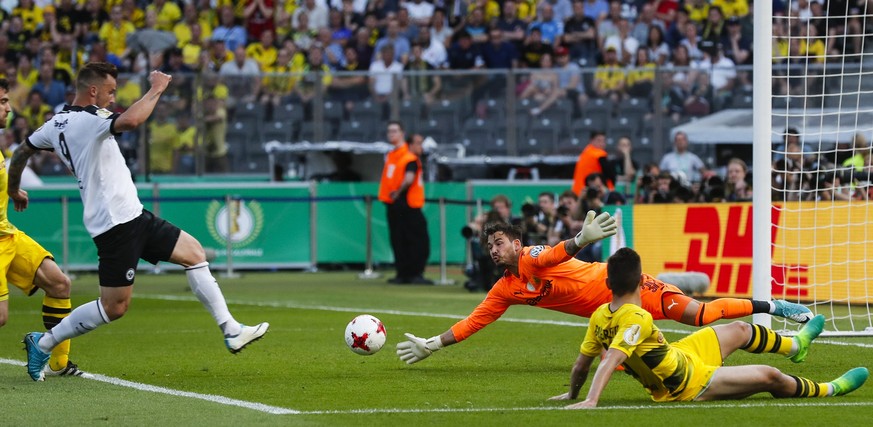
point(31, 15)
point(115, 32)
point(163, 140)
point(183, 28)
point(168, 14)
point(609, 79)
point(731, 8)
point(263, 51)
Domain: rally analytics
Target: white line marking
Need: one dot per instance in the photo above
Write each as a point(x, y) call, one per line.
point(163, 390)
point(437, 315)
point(770, 403)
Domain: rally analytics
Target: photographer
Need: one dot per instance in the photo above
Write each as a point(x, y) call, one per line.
point(568, 218)
point(483, 273)
point(539, 219)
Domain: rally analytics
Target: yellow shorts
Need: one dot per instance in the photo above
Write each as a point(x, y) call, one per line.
point(20, 257)
point(703, 356)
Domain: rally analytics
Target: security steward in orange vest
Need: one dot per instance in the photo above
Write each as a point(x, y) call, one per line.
point(402, 191)
point(593, 159)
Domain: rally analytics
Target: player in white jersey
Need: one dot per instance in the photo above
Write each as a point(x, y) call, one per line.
point(83, 135)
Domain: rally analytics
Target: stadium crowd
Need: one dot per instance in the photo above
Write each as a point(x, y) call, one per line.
point(251, 58)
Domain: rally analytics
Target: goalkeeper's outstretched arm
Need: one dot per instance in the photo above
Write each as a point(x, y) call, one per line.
point(415, 349)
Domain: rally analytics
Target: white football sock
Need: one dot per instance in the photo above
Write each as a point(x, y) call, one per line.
point(85, 318)
point(206, 289)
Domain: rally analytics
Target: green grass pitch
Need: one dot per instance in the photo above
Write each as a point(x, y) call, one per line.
point(170, 350)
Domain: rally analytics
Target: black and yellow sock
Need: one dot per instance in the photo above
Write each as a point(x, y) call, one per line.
point(809, 388)
point(765, 340)
point(53, 311)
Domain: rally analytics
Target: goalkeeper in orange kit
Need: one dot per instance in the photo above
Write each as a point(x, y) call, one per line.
point(549, 277)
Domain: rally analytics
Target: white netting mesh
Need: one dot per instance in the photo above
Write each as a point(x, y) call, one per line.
point(822, 131)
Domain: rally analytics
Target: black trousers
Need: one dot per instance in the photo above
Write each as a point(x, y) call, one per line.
point(407, 229)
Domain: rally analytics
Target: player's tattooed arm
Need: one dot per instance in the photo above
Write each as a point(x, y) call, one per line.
point(16, 167)
point(17, 164)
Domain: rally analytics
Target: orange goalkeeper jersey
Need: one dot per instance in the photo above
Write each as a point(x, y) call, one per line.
point(550, 278)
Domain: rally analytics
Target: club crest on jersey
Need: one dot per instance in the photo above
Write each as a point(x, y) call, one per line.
point(536, 251)
point(130, 274)
point(61, 124)
point(104, 113)
point(632, 335)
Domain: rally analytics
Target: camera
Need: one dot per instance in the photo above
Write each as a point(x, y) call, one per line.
point(529, 210)
point(467, 232)
point(647, 180)
point(563, 210)
point(592, 193)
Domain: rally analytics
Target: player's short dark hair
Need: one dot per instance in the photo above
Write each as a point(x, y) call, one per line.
point(395, 122)
point(4, 84)
point(624, 271)
point(94, 72)
point(595, 134)
point(513, 232)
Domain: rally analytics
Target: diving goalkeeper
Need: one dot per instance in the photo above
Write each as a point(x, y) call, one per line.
point(549, 277)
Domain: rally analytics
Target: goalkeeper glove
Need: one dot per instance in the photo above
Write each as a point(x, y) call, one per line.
point(596, 228)
point(416, 349)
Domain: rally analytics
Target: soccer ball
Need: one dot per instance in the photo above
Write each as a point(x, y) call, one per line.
point(365, 335)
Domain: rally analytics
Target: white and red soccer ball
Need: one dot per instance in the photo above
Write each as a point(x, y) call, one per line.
point(365, 335)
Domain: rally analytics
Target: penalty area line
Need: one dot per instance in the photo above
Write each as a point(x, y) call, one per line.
point(260, 407)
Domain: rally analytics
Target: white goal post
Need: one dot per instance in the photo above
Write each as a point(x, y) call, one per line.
point(813, 110)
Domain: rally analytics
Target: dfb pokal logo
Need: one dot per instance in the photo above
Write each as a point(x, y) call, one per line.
point(241, 222)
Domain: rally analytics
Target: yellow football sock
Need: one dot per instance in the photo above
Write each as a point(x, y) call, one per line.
point(53, 311)
point(809, 388)
point(765, 340)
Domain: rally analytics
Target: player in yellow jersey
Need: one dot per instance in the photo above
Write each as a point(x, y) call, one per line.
point(691, 368)
point(28, 266)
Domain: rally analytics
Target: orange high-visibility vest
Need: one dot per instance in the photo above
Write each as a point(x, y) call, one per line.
point(588, 163)
point(392, 177)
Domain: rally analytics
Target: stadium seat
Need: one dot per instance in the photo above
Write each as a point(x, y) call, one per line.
point(598, 106)
point(353, 131)
point(434, 129)
point(544, 133)
point(635, 106)
point(492, 109)
point(278, 130)
point(242, 131)
point(410, 114)
point(623, 126)
point(599, 111)
point(256, 162)
point(307, 132)
point(333, 111)
point(476, 133)
point(447, 113)
point(580, 133)
point(366, 111)
point(248, 111)
point(291, 112)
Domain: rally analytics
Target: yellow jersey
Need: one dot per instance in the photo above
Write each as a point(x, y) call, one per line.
point(6, 227)
point(662, 369)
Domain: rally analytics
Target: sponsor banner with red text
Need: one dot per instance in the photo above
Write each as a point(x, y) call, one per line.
point(819, 250)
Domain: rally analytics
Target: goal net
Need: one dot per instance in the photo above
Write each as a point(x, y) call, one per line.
point(821, 241)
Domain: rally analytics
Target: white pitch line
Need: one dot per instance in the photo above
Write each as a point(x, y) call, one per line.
point(435, 315)
point(806, 403)
point(179, 393)
point(275, 410)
